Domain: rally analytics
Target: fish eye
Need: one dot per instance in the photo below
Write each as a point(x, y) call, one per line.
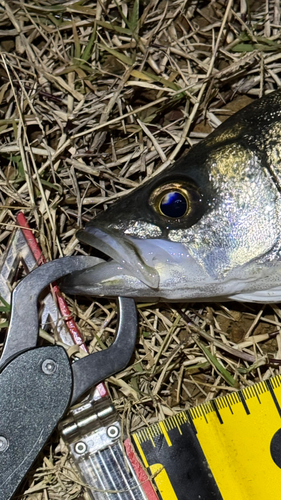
point(173, 204)
point(171, 200)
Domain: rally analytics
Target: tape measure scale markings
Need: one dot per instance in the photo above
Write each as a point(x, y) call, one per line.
point(226, 449)
point(180, 460)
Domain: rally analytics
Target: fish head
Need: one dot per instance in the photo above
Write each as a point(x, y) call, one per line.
point(206, 228)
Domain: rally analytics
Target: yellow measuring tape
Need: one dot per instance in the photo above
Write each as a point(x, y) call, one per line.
point(235, 440)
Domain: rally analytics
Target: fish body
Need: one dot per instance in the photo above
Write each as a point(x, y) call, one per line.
point(206, 228)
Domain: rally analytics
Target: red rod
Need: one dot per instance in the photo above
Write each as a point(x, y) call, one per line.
point(140, 472)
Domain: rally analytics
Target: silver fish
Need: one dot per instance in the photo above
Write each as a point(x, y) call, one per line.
point(207, 228)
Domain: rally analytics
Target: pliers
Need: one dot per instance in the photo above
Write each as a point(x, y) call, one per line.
point(39, 384)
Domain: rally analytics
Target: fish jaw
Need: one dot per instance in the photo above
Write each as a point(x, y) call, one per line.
point(169, 262)
point(141, 268)
point(180, 276)
point(123, 252)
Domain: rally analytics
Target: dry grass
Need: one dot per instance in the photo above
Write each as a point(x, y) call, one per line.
point(95, 97)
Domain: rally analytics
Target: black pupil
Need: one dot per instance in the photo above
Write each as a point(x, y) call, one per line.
point(173, 204)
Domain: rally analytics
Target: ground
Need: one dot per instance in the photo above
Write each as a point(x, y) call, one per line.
point(94, 98)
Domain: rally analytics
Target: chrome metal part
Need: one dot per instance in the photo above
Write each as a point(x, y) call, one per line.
point(106, 469)
point(80, 447)
point(113, 431)
point(93, 434)
point(97, 440)
point(86, 417)
point(103, 465)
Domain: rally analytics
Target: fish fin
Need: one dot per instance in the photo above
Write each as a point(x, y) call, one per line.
point(260, 296)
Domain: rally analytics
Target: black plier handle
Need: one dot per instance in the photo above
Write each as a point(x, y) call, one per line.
point(37, 385)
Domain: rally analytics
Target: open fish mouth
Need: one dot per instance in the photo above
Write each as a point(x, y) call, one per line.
point(123, 252)
point(157, 268)
point(142, 268)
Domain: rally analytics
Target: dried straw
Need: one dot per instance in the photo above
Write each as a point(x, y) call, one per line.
point(95, 98)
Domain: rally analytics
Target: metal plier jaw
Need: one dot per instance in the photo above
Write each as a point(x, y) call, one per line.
point(37, 385)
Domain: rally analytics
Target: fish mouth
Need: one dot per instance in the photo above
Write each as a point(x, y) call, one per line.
point(157, 269)
point(122, 251)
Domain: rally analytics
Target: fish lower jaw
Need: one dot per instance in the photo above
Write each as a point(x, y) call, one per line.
point(109, 279)
point(123, 252)
point(160, 269)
